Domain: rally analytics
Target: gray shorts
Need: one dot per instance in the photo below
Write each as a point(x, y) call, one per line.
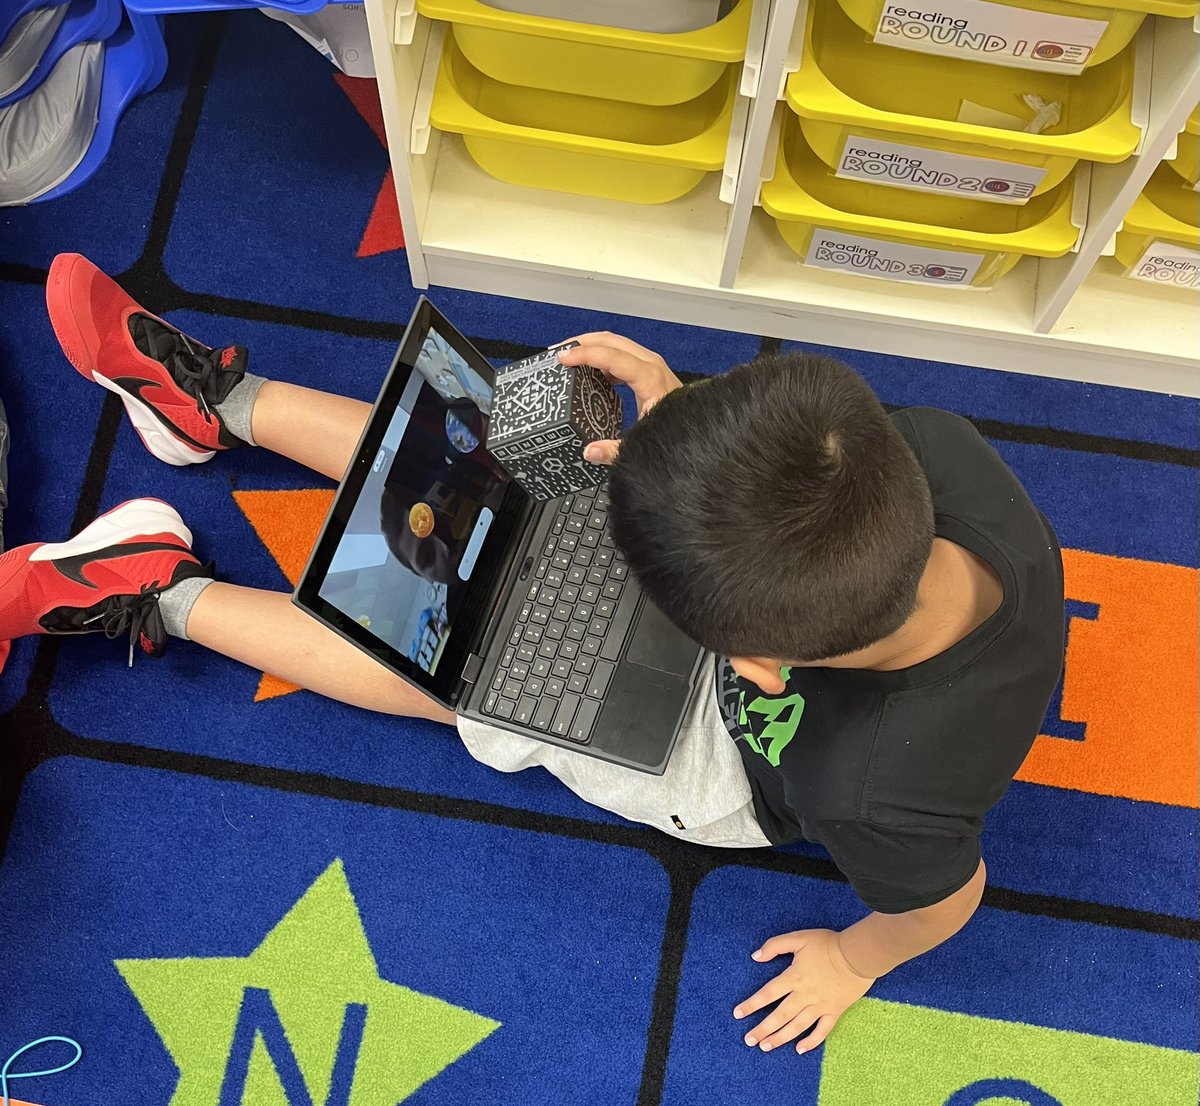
point(704, 787)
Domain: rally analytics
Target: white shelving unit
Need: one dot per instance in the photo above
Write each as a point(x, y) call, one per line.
point(719, 262)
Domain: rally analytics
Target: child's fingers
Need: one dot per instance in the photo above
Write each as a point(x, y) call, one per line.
point(617, 364)
point(784, 1024)
point(764, 996)
point(817, 1036)
point(602, 452)
point(617, 341)
point(777, 946)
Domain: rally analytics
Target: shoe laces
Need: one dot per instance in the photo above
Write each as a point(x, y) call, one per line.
point(135, 615)
point(194, 366)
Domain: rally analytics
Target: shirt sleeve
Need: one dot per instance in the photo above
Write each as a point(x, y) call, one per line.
point(897, 869)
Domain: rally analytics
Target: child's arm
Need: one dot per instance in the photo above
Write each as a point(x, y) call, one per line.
point(831, 971)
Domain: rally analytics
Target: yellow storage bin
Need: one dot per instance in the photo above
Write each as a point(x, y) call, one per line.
point(587, 59)
point(1160, 241)
point(864, 228)
point(634, 152)
point(1186, 161)
point(848, 89)
point(1016, 37)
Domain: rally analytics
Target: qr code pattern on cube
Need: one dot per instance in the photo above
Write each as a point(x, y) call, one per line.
point(554, 473)
point(597, 405)
point(535, 443)
point(531, 393)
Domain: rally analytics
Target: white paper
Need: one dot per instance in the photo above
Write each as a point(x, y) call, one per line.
point(852, 253)
point(993, 33)
point(1168, 263)
point(923, 170)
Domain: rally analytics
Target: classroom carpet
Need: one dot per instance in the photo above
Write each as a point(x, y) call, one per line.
point(234, 893)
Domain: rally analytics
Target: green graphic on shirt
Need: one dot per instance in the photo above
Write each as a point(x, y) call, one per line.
point(782, 717)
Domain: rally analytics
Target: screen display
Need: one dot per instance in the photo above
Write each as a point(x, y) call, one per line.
point(421, 521)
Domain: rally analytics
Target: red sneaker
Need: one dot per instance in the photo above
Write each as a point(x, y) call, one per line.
point(107, 578)
point(170, 383)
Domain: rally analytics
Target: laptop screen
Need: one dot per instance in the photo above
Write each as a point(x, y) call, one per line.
point(420, 527)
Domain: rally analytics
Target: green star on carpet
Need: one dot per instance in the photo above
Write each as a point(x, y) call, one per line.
point(318, 970)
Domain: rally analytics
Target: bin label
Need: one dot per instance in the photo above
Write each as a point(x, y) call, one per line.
point(852, 253)
point(1168, 263)
point(923, 170)
point(992, 33)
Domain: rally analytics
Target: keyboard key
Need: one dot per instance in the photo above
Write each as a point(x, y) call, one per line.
point(544, 715)
point(548, 649)
point(583, 556)
point(590, 539)
point(591, 646)
point(562, 668)
point(515, 637)
point(585, 719)
point(557, 528)
point(554, 578)
point(605, 608)
point(533, 633)
point(565, 715)
point(541, 616)
point(612, 590)
point(597, 576)
point(576, 631)
point(598, 684)
point(598, 627)
point(524, 613)
point(590, 592)
point(568, 542)
point(519, 670)
point(526, 651)
point(498, 680)
point(544, 599)
point(596, 520)
point(584, 612)
point(564, 506)
point(541, 568)
point(526, 705)
point(511, 689)
point(562, 612)
point(604, 557)
point(534, 588)
point(580, 506)
point(555, 688)
point(534, 686)
point(577, 574)
point(619, 571)
point(561, 560)
point(541, 667)
point(602, 500)
point(574, 525)
point(607, 541)
point(577, 683)
point(570, 593)
point(489, 707)
point(505, 708)
point(555, 630)
point(568, 649)
point(585, 664)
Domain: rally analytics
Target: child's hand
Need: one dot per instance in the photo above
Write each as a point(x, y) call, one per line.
point(815, 990)
point(623, 362)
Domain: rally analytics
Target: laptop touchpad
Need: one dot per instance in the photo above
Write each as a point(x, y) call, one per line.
point(657, 644)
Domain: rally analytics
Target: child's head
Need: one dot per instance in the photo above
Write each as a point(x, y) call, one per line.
point(774, 511)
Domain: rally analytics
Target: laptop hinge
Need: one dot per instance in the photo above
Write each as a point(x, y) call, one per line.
point(470, 672)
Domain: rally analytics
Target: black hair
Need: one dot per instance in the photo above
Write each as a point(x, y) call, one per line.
point(774, 511)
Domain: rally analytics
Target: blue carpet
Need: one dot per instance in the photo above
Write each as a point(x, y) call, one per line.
point(190, 855)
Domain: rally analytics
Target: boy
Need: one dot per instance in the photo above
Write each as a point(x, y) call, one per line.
point(889, 601)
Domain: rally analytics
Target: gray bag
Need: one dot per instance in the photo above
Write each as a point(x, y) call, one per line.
point(44, 136)
point(26, 42)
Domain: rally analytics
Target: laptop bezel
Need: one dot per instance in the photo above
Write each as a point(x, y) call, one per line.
point(446, 686)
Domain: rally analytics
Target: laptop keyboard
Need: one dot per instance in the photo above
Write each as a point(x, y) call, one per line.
point(561, 651)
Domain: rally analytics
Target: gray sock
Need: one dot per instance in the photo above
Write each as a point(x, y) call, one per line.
point(237, 408)
point(175, 604)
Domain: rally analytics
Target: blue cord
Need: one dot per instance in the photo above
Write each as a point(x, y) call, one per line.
point(5, 1077)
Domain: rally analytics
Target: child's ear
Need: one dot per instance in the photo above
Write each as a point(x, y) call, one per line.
point(762, 671)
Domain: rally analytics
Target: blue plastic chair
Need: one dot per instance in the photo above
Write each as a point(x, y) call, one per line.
point(171, 7)
point(10, 13)
point(87, 21)
point(135, 61)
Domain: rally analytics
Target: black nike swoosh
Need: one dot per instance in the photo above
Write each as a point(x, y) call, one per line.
point(72, 566)
point(135, 384)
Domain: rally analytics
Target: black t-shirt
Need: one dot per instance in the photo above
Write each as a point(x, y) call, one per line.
point(892, 772)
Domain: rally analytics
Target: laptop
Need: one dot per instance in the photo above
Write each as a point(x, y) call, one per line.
point(518, 613)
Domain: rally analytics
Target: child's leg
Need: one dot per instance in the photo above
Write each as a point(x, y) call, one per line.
point(317, 429)
point(264, 630)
